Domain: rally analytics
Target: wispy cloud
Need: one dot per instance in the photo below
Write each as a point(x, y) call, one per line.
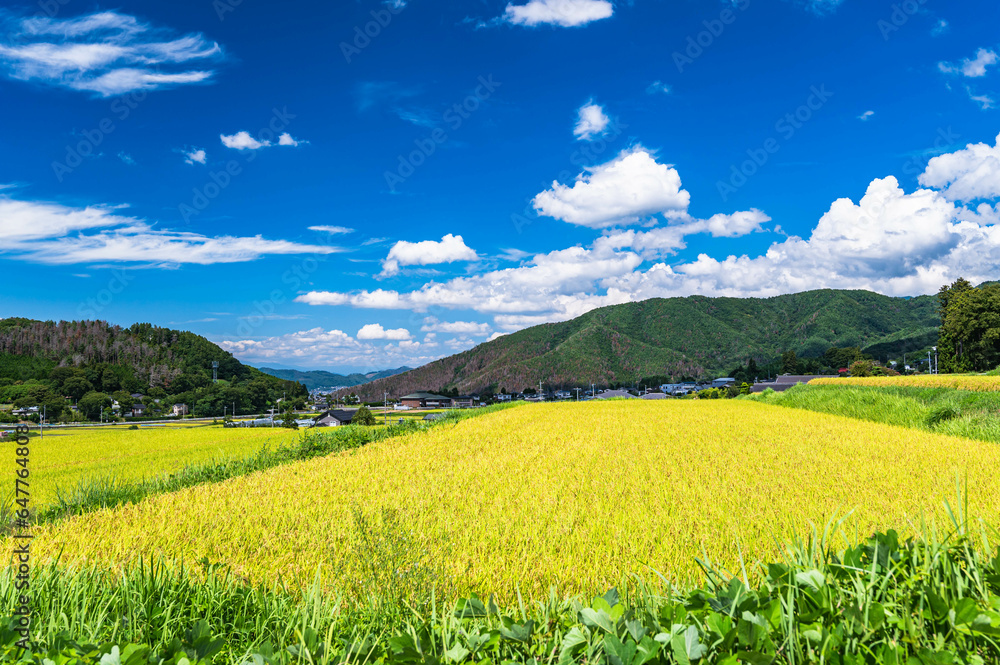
point(127, 158)
point(332, 230)
point(971, 67)
point(658, 88)
point(53, 233)
point(563, 13)
point(106, 53)
point(866, 116)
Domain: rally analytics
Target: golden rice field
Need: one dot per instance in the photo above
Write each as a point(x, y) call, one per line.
point(61, 458)
point(974, 382)
point(572, 495)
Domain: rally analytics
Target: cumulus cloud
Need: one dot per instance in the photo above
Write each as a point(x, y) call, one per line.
point(563, 13)
point(966, 175)
point(449, 249)
point(971, 68)
point(329, 348)
point(194, 155)
point(57, 234)
point(106, 53)
point(376, 331)
point(626, 190)
point(242, 140)
point(591, 122)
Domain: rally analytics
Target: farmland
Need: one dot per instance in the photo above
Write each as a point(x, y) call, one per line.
point(64, 457)
point(571, 496)
point(977, 382)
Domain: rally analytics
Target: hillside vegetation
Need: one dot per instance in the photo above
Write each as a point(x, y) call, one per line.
point(678, 337)
point(89, 363)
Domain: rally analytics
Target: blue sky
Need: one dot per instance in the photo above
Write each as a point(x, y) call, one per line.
point(363, 185)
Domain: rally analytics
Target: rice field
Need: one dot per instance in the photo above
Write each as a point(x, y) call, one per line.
point(976, 382)
point(63, 457)
point(573, 496)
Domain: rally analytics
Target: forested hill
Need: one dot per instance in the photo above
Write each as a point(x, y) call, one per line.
point(318, 379)
point(45, 361)
point(678, 337)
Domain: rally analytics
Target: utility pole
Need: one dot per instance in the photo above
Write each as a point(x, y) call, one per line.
point(41, 424)
point(577, 394)
point(593, 390)
point(385, 407)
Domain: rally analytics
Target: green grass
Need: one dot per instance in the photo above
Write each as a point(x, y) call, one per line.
point(934, 600)
point(975, 415)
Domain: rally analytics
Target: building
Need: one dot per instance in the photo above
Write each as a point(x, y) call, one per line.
point(426, 401)
point(786, 381)
point(464, 401)
point(723, 383)
point(138, 410)
point(334, 418)
point(654, 396)
point(180, 409)
point(616, 394)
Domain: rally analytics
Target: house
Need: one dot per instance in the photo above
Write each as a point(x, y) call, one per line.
point(786, 381)
point(464, 401)
point(334, 418)
point(136, 395)
point(180, 409)
point(723, 383)
point(26, 411)
point(654, 396)
point(138, 409)
point(616, 394)
point(426, 401)
point(502, 397)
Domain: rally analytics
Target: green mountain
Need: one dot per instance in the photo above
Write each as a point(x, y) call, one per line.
point(319, 380)
point(697, 336)
point(44, 362)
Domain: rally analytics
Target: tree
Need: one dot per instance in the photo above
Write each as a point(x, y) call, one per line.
point(288, 420)
point(862, 368)
point(93, 404)
point(970, 328)
point(364, 416)
point(789, 363)
point(76, 387)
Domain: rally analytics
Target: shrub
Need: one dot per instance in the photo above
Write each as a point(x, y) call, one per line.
point(364, 416)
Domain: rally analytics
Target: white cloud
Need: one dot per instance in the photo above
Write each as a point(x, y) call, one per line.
point(328, 348)
point(564, 13)
point(591, 122)
point(658, 87)
point(451, 248)
point(625, 190)
point(940, 28)
point(971, 68)
point(966, 175)
point(332, 230)
point(194, 155)
point(867, 115)
point(106, 53)
point(127, 158)
point(57, 234)
point(822, 7)
point(432, 325)
point(376, 331)
point(242, 140)
point(985, 101)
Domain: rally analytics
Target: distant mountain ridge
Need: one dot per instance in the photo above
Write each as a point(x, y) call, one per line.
point(695, 336)
point(319, 379)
